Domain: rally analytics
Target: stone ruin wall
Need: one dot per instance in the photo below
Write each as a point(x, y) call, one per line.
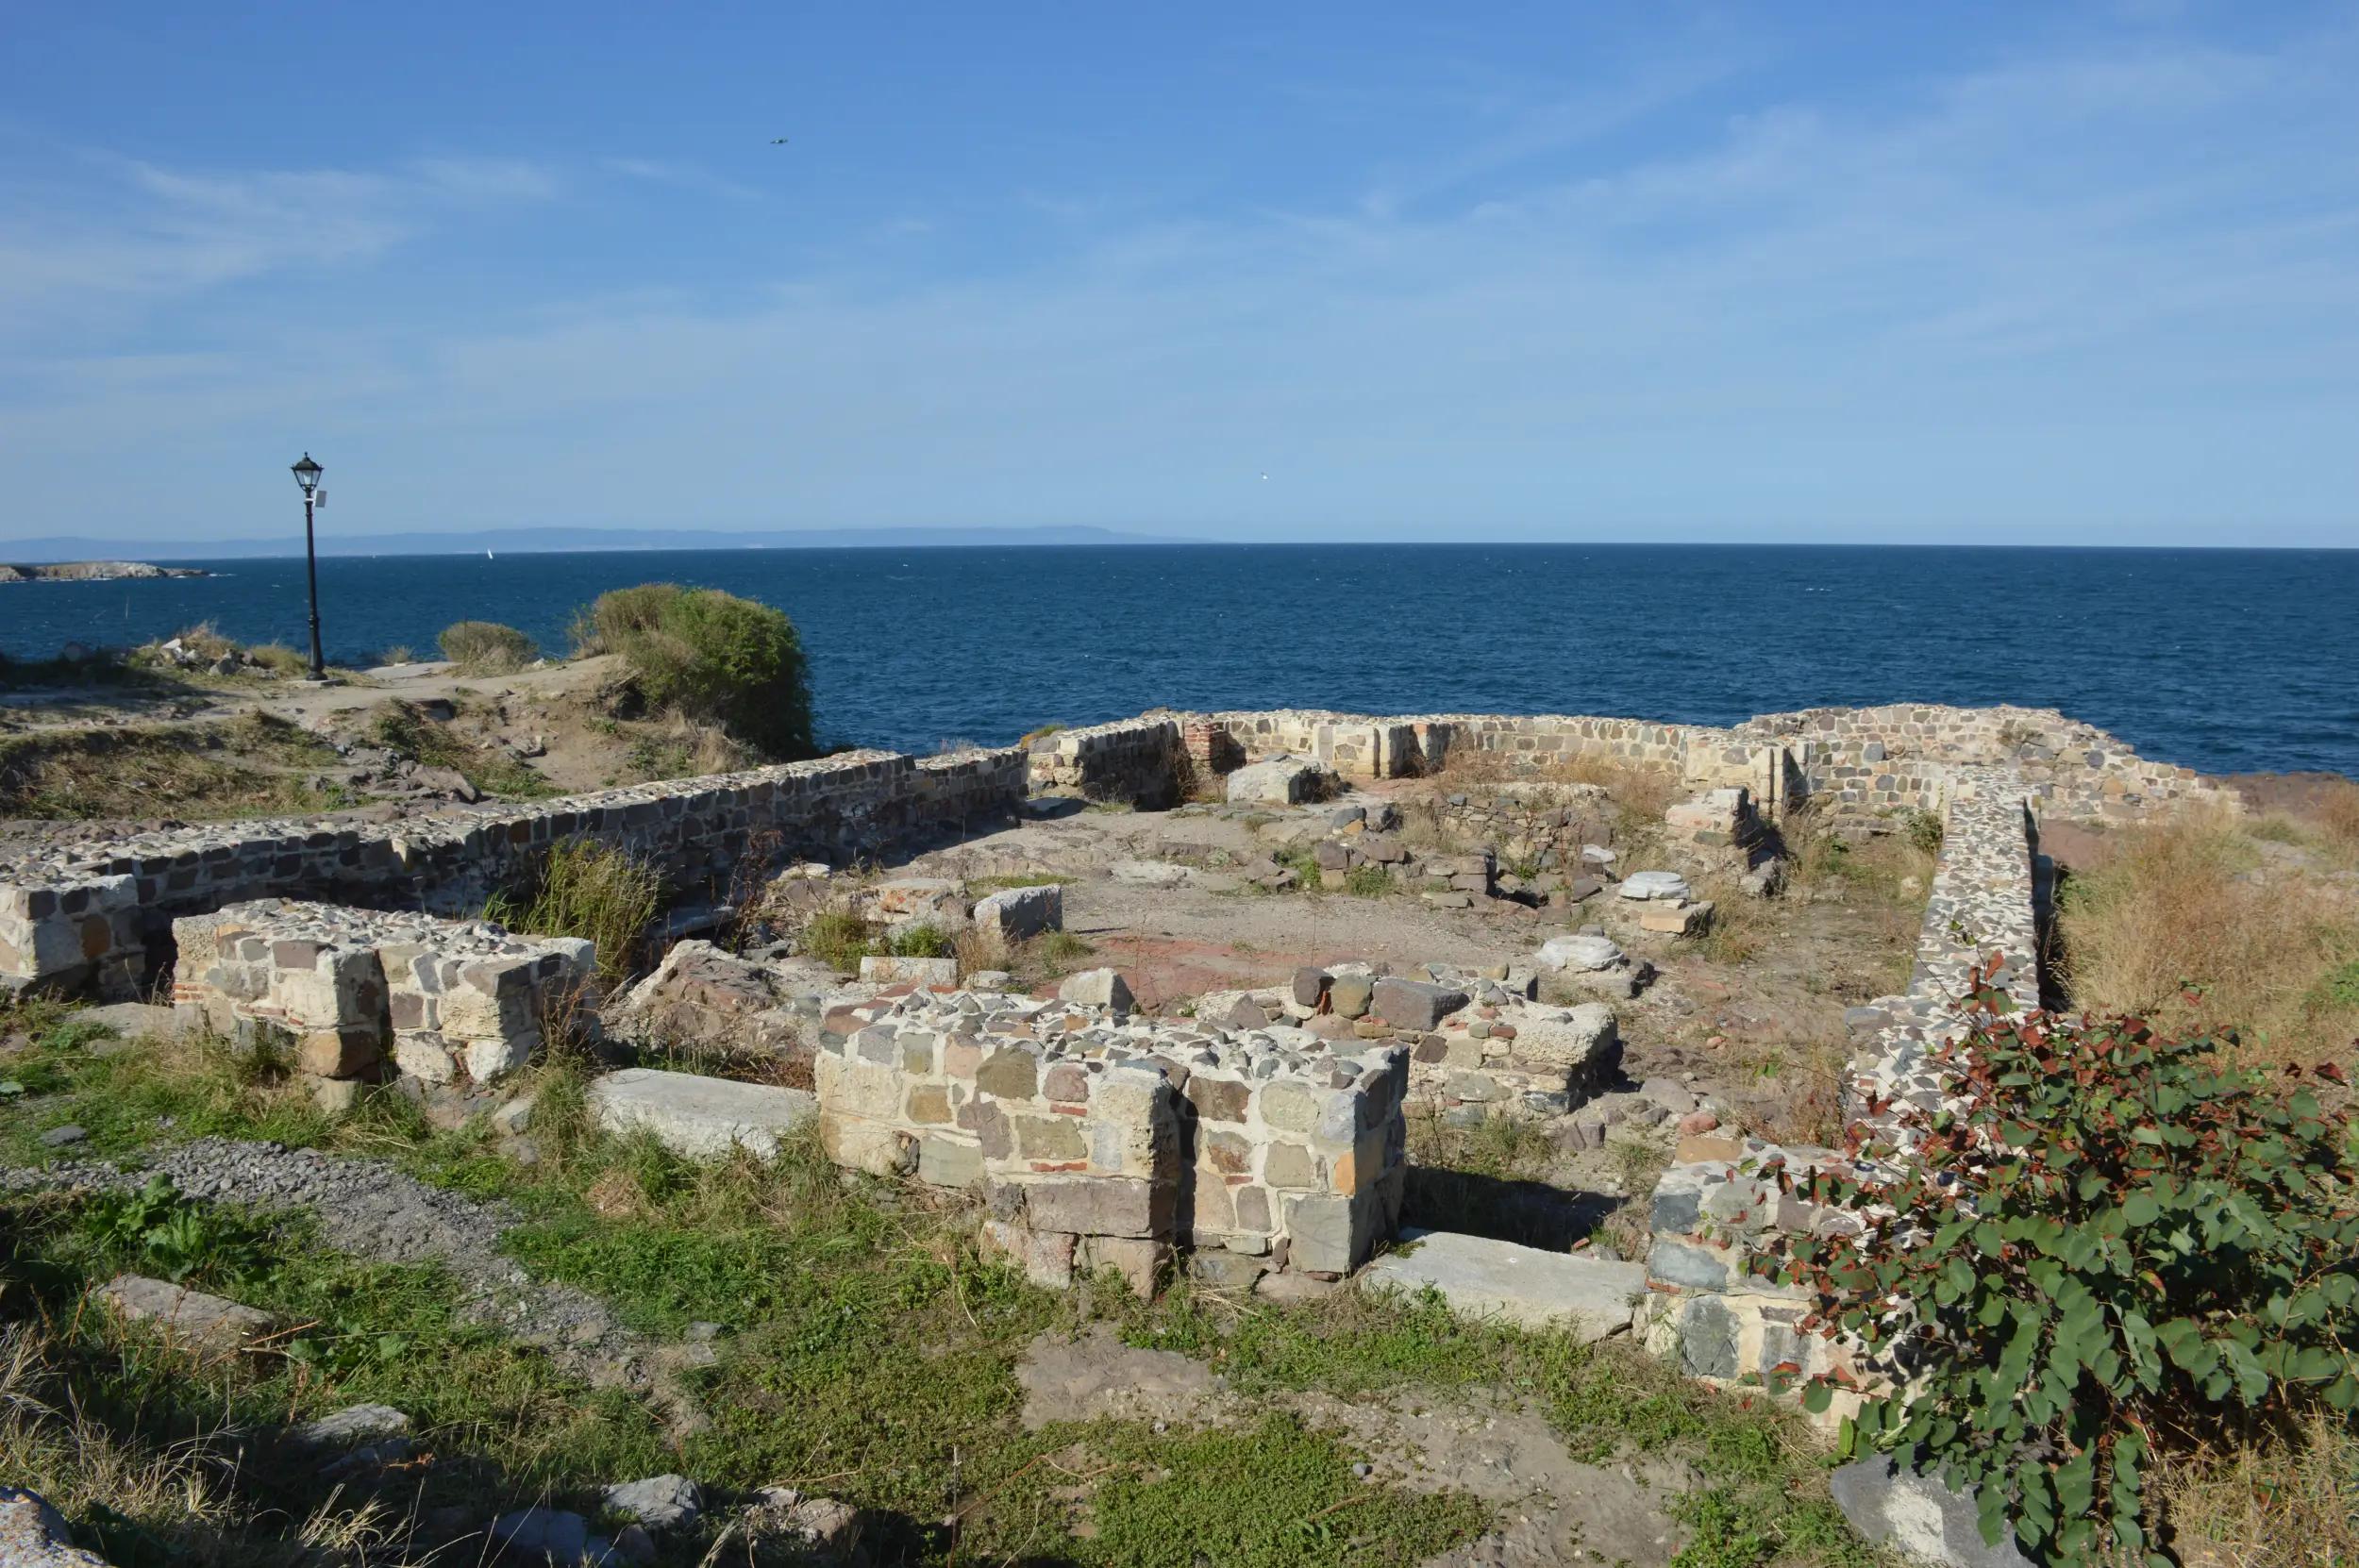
point(1863, 763)
point(1103, 1143)
point(359, 996)
point(85, 916)
point(1714, 1209)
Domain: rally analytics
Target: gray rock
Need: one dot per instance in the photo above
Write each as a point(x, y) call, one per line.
point(34, 1535)
point(1671, 1095)
point(1414, 1004)
point(354, 1424)
point(58, 1138)
point(1920, 1516)
point(1707, 1339)
point(1100, 987)
point(660, 1502)
point(1016, 914)
point(1587, 1297)
point(1580, 953)
point(700, 1117)
point(1281, 781)
point(547, 1532)
point(207, 1322)
point(1665, 885)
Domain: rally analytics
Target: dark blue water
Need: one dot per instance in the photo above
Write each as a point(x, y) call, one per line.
point(2223, 660)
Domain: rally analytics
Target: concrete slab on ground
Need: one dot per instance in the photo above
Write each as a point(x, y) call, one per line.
point(1588, 1297)
point(702, 1118)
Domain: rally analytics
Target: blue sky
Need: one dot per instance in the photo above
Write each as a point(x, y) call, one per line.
point(1923, 273)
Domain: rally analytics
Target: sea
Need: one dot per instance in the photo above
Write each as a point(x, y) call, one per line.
point(2224, 660)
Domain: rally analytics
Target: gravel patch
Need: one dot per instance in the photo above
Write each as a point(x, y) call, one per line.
point(369, 1208)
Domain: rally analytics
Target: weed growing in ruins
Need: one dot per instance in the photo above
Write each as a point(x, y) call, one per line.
point(1369, 881)
point(2114, 1248)
point(587, 889)
point(838, 936)
point(918, 941)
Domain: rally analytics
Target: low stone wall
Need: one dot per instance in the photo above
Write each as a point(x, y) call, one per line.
point(83, 916)
point(1716, 1208)
point(1137, 759)
point(364, 995)
point(1862, 761)
point(1100, 1141)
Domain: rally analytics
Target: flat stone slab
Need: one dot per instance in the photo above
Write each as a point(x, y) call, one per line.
point(888, 969)
point(132, 1020)
point(208, 1322)
point(1587, 1297)
point(702, 1118)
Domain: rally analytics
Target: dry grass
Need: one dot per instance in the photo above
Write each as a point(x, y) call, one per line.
point(2169, 930)
point(1642, 789)
point(2284, 1500)
point(253, 765)
point(179, 1497)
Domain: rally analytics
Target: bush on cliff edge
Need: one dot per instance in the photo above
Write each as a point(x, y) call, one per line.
point(710, 655)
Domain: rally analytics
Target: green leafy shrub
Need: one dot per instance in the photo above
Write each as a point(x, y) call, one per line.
point(918, 941)
point(838, 938)
point(2108, 1243)
point(587, 889)
point(710, 656)
point(486, 648)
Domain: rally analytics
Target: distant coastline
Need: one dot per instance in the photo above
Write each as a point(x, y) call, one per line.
point(92, 571)
point(552, 541)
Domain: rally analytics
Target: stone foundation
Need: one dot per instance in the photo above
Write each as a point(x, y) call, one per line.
point(366, 996)
point(1104, 1143)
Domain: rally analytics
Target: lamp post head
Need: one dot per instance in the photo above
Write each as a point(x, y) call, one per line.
point(307, 473)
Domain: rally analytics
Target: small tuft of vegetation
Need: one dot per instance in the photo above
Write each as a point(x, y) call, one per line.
point(487, 647)
point(587, 889)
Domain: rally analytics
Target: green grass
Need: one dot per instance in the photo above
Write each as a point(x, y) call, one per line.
point(1270, 1496)
point(869, 1352)
point(980, 885)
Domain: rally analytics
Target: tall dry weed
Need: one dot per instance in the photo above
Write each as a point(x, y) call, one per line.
point(2176, 929)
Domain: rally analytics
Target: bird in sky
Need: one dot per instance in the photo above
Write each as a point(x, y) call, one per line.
point(778, 142)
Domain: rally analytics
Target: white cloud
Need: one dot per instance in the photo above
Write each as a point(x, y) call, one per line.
point(2121, 281)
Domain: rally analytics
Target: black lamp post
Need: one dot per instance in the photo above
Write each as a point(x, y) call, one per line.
point(307, 473)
